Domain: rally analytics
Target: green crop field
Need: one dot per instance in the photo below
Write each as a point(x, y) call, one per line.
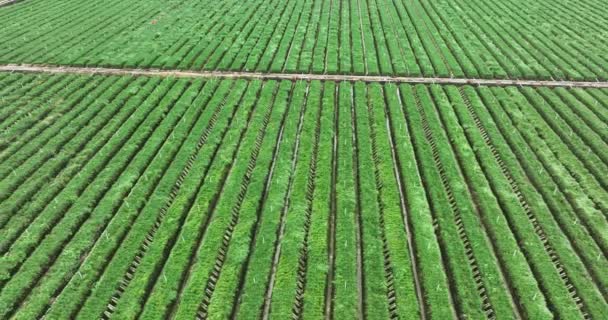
point(562, 39)
point(203, 196)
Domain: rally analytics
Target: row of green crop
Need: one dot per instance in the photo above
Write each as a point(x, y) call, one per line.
point(51, 40)
point(476, 283)
point(463, 240)
point(207, 46)
point(256, 271)
point(434, 295)
point(238, 198)
point(583, 109)
point(149, 238)
point(92, 231)
point(99, 201)
point(578, 60)
point(244, 216)
point(397, 244)
point(282, 285)
point(265, 36)
point(286, 268)
point(154, 183)
point(583, 133)
point(21, 111)
point(542, 194)
point(46, 151)
point(158, 200)
point(226, 291)
point(375, 253)
point(321, 36)
point(347, 299)
point(33, 209)
point(551, 235)
point(596, 99)
point(558, 268)
point(63, 106)
point(493, 217)
point(15, 86)
point(570, 164)
point(60, 168)
point(16, 111)
point(560, 11)
point(48, 15)
point(94, 146)
point(315, 245)
point(140, 214)
point(183, 243)
point(525, 293)
point(168, 47)
point(62, 225)
point(540, 53)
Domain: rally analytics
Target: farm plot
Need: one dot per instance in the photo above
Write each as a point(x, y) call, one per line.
point(491, 39)
point(152, 198)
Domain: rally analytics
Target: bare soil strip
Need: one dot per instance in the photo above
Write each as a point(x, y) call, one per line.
point(7, 2)
point(297, 76)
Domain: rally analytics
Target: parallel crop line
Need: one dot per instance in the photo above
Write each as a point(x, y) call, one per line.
point(33, 195)
point(199, 50)
point(291, 42)
point(298, 306)
point(65, 8)
point(524, 204)
point(33, 182)
point(277, 252)
point(220, 258)
point(69, 113)
point(269, 181)
point(331, 254)
point(277, 47)
point(434, 41)
point(114, 212)
point(130, 274)
point(11, 93)
point(464, 238)
point(52, 256)
point(27, 108)
point(391, 293)
point(359, 219)
point(405, 213)
point(56, 36)
point(91, 252)
point(10, 243)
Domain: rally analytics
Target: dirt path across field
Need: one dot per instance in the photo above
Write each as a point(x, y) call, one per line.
point(7, 2)
point(297, 76)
